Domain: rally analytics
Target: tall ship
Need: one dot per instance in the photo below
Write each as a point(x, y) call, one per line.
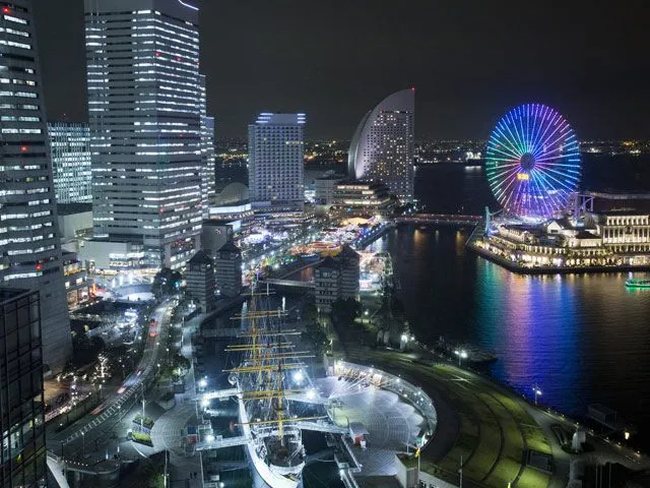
point(262, 378)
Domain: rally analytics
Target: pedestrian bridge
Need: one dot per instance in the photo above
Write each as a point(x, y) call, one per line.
point(289, 283)
point(439, 219)
point(223, 442)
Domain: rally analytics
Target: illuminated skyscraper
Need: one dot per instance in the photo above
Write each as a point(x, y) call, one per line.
point(144, 97)
point(382, 148)
point(70, 151)
point(208, 176)
point(30, 253)
point(276, 162)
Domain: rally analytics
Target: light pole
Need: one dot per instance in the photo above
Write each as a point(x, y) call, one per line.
point(537, 392)
point(462, 354)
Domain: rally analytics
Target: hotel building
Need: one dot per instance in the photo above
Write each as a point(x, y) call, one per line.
point(276, 162)
point(383, 146)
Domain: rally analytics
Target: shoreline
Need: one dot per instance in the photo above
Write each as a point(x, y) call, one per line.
point(469, 405)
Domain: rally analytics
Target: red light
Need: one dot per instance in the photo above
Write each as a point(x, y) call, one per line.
point(412, 88)
point(6, 10)
point(39, 267)
point(23, 148)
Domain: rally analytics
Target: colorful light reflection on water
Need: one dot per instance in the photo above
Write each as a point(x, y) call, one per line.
point(580, 338)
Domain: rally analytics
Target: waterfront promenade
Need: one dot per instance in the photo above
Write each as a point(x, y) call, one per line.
point(490, 428)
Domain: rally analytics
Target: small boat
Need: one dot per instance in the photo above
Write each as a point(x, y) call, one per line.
point(637, 283)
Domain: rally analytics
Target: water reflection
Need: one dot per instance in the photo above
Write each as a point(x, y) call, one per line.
point(581, 338)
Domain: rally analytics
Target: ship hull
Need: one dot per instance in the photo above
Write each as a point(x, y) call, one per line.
point(272, 479)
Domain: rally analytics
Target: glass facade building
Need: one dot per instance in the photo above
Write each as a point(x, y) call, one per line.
point(30, 253)
point(21, 390)
point(208, 175)
point(144, 99)
point(70, 154)
point(276, 162)
point(383, 146)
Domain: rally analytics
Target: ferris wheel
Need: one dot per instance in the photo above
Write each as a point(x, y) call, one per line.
point(533, 161)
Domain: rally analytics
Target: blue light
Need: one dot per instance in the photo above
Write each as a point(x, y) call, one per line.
point(533, 161)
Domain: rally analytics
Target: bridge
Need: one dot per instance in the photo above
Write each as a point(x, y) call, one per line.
point(289, 283)
point(439, 219)
point(222, 442)
point(320, 426)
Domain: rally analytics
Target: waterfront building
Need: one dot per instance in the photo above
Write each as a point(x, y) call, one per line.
point(22, 410)
point(276, 162)
point(30, 253)
point(336, 278)
point(606, 231)
point(325, 189)
point(208, 175)
point(327, 275)
point(144, 107)
point(383, 145)
point(70, 154)
point(199, 278)
point(76, 281)
point(228, 269)
point(362, 197)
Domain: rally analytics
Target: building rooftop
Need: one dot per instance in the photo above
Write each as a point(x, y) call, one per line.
point(200, 257)
point(229, 246)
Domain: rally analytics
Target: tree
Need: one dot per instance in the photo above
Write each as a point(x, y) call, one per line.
point(345, 311)
point(166, 282)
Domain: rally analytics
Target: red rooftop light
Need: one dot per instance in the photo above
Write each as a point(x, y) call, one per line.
point(6, 10)
point(23, 148)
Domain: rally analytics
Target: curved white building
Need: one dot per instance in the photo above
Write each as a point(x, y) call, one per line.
point(382, 148)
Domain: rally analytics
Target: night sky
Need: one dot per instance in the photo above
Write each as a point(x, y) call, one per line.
point(470, 60)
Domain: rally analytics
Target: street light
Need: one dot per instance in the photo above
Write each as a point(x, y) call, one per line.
point(462, 354)
point(538, 393)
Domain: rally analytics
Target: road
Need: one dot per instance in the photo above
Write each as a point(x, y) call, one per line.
point(95, 428)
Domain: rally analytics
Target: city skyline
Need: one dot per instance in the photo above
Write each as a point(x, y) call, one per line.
point(368, 308)
point(468, 64)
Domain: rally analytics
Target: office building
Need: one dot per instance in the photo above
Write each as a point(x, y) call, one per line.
point(228, 269)
point(208, 175)
point(383, 145)
point(30, 254)
point(21, 389)
point(144, 108)
point(276, 162)
point(70, 153)
point(336, 278)
point(199, 279)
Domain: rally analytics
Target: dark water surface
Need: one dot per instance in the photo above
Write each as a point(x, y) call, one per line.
point(580, 338)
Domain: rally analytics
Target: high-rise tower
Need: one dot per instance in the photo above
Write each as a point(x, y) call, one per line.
point(208, 176)
point(21, 390)
point(70, 151)
point(144, 96)
point(383, 145)
point(30, 253)
point(276, 162)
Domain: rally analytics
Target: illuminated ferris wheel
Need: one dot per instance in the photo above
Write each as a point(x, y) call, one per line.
point(533, 161)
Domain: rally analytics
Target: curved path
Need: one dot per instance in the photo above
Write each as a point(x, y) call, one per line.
point(93, 428)
point(486, 426)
